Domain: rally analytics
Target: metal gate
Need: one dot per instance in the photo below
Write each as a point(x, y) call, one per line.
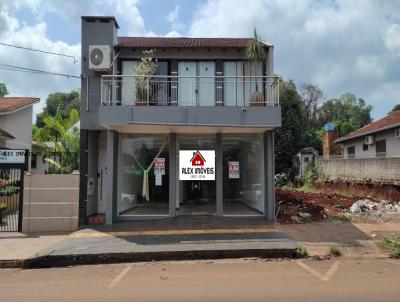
point(11, 190)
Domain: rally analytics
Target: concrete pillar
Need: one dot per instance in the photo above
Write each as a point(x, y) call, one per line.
point(172, 175)
point(111, 177)
point(92, 161)
point(219, 175)
point(269, 175)
point(83, 168)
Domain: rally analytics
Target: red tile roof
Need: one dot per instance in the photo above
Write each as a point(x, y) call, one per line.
point(10, 104)
point(392, 120)
point(164, 42)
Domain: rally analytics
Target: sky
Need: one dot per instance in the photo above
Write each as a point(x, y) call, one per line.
point(342, 46)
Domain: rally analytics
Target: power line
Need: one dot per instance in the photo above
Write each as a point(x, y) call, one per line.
point(42, 51)
point(32, 70)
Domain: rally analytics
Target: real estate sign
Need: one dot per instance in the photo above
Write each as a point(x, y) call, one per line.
point(12, 156)
point(197, 165)
point(234, 169)
point(159, 166)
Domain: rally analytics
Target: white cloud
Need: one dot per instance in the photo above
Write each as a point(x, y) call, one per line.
point(174, 19)
point(392, 39)
point(341, 45)
point(34, 36)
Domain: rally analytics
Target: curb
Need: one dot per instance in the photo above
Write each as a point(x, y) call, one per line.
point(48, 261)
point(11, 263)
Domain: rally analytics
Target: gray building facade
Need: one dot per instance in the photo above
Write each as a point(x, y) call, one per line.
point(174, 126)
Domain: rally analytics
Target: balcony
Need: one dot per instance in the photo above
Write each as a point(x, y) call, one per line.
point(244, 91)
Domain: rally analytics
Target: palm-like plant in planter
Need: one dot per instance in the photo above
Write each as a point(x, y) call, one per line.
point(255, 54)
point(144, 70)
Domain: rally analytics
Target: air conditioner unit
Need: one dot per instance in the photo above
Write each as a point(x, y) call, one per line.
point(369, 140)
point(99, 57)
point(397, 133)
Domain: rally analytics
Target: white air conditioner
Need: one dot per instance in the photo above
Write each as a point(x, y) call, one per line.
point(99, 57)
point(397, 133)
point(369, 140)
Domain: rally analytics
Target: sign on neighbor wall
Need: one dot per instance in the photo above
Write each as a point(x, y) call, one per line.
point(8, 156)
point(197, 165)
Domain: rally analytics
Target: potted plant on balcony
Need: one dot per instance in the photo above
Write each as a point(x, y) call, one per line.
point(254, 54)
point(143, 71)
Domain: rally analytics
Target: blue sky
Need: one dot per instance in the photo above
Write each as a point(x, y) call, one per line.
point(343, 46)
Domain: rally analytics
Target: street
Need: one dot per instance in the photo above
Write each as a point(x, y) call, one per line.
point(336, 280)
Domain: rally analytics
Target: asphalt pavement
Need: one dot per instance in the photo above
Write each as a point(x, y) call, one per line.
point(335, 280)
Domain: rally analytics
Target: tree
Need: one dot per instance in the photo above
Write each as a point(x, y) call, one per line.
point(64, 141)
point(395, 108)
point(310, 94)
point(289, 138)
point(347, 108)
point(255, 54)
point(3, 90)
point(64, 102)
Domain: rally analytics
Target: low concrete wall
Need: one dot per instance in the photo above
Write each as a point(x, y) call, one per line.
point(362, 168)
point(51, 202)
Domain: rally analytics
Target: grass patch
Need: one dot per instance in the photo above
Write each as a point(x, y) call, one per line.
point(302, 251)
point(335, 251)
point(391, 245)
point(307, 189)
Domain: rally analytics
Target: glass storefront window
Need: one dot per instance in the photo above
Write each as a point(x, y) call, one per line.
point(143, 179)
point(242, 189)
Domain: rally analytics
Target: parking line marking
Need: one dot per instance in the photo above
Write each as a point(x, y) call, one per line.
point(121, 275)
point(327, 276)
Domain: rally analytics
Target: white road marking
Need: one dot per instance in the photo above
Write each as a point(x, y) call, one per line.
point(328, 275)
point(121, 275)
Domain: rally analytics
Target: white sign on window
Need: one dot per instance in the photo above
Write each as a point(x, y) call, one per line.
point(197, 165)
point(158, 180)
point(234, 171)
point(159, 166)
point(12, 156)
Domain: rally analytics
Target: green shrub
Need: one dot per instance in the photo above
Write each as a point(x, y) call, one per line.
point(311, 175)
point(302, 251)
point(390, 245)
point(281, 180)
point(334, 250)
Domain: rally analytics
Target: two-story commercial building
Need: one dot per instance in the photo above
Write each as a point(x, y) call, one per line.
point(175, 126)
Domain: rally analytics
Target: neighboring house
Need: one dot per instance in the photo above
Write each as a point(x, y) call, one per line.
point(139, 133)
point(16, 122)
point(380, 138)
point(38, 163)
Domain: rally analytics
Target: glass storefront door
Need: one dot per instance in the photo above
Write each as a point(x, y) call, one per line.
point(242, 175)
point(143, 179)
point(195, 197)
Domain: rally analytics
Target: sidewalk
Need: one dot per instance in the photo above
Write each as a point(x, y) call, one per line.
point(190, 238)
point(181, 238)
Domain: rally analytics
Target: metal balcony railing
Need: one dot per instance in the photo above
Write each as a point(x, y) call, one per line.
point(122, 90)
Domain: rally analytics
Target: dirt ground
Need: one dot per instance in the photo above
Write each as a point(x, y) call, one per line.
point(321, 205)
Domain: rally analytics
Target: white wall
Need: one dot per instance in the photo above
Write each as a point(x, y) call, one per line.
point(392, 145)
point(19, 124)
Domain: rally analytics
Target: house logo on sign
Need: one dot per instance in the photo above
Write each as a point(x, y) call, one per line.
point(197, 159)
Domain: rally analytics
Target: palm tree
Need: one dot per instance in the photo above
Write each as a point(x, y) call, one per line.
point(60, 136)
point(255, 54)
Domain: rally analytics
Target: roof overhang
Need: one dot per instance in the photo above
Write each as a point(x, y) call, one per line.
point(345, 139)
